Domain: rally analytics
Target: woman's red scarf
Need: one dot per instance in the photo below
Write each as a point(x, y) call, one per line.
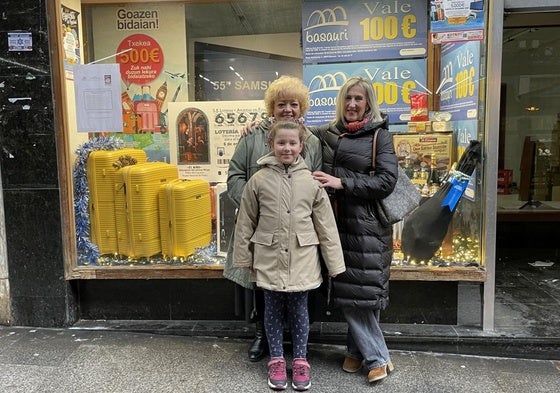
point(356, 125)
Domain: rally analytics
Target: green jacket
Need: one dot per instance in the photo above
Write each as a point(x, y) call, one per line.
point(243, 165)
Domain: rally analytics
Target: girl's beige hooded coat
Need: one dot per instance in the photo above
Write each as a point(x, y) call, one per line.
point(284, 219)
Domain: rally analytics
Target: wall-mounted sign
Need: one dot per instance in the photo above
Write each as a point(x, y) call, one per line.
point(20, 42)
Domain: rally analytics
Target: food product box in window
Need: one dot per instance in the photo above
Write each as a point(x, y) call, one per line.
point(137, 207)
point(101, 169)
point(420, 148)
point(442, 126)
point(185, 217)
point(419, 126)
point(505, 177)
point(225, 218)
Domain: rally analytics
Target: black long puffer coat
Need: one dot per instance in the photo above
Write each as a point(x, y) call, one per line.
point(367, 244)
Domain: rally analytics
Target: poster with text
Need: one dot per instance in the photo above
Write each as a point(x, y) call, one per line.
point(465, 132)
point(70, 40)
point(219, 80)
point(456, 20)
point(334, 31)
point(204, 134)
point(148, 42)
point(392, 81)
point(460, 80)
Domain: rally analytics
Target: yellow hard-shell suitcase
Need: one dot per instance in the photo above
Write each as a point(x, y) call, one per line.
point(136, 207)
point(185, 217)
point(101, 169)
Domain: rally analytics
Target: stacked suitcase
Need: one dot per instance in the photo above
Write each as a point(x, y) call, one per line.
point(185, 217)
point(101, 170)
point(137, 207)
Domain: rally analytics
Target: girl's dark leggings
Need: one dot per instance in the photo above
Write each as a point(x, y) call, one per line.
point(294, 306)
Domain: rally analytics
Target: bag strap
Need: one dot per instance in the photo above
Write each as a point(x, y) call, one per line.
point(374, 149)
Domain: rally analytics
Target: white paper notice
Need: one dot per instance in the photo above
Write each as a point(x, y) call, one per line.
point(98, 98)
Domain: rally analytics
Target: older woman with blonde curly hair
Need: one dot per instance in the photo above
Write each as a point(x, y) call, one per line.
point(287, 98)
point(290, 88)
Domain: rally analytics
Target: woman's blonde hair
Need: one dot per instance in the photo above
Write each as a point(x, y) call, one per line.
point(287, 87)
point(372, 108)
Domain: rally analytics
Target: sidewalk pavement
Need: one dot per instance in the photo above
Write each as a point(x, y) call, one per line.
point(69, 360)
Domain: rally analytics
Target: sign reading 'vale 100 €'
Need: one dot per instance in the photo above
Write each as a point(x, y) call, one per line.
point(392, 81)
point(356, 30)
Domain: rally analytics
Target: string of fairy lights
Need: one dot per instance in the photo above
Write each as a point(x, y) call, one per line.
point(465, 251)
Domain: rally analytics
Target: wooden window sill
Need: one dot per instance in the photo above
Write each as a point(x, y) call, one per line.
point(398, 273)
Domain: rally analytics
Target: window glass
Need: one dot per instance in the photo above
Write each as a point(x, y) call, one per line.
point(186, 68)
point(530, 129)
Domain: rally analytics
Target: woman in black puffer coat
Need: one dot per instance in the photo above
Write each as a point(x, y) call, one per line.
point(363, 290)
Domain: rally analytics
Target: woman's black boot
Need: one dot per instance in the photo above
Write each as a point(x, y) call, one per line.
point(259, 347)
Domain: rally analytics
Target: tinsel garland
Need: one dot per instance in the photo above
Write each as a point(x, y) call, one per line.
point(88, 253)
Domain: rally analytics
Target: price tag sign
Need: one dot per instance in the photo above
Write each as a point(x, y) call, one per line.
point(460, 79)
point(353, 31)
point(141, 59)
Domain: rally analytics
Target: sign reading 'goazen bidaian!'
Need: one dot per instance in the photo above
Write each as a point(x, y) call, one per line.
point(359, 30)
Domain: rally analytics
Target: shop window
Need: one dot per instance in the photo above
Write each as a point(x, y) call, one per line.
point(190, 75)
point(530, 130)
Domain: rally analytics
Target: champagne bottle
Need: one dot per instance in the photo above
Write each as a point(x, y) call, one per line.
point(434, 182)
point(408, 169)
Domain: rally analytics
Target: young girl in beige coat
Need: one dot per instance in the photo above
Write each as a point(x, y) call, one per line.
point(284, 219)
